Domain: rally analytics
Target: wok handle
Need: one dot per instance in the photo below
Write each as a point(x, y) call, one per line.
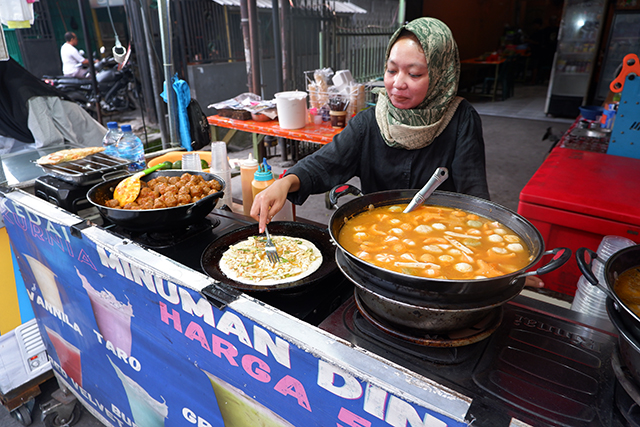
point(339, 191)
point(585, 265)
point(115, 174)
point(560, 257)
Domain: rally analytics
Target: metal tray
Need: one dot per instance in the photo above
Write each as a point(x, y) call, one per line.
point(88, 170)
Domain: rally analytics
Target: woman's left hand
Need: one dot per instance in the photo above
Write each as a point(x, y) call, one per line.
point(533, 282)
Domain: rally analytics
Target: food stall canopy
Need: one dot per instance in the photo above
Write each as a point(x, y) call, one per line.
point(335, 6)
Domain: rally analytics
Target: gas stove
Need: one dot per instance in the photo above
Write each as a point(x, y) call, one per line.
point(311, 303)
point(543, 369)
point(186, 246)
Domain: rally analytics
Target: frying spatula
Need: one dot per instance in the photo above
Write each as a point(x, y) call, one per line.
point(128, 189)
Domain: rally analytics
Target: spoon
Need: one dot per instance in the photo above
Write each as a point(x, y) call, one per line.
point(438, 177)
point(128, 189)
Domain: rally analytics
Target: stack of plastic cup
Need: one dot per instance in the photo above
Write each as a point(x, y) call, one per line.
point(220, 166)
point(191, 162)
point(589, 299)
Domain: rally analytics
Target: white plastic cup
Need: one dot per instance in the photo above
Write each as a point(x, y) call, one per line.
point(588, 298)
point(227, 199)
point(219, 159)
point(191, 162)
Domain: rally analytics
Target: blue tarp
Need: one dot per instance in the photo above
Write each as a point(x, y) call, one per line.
point(183, 97)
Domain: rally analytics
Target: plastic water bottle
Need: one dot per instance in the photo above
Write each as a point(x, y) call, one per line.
point(130, 147)
point(110, 140)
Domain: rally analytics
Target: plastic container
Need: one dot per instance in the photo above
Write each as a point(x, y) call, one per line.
point(292, 109)
point(591, 112)
point(130, 148)
point(338, 119)
point(247, 168)
point(110, 140)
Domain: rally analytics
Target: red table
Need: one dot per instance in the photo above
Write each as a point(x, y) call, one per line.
point(496, 63)
point(319, 134)
point(576, 198)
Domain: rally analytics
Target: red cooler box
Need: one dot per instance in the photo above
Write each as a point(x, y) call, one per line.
point(576, 198)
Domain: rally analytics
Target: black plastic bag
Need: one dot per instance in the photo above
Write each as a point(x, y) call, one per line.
point(198, 126)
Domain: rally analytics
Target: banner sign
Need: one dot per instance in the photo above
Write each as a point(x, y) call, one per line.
point(140, 348)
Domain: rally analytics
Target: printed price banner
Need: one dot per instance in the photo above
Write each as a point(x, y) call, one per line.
point(139, 347)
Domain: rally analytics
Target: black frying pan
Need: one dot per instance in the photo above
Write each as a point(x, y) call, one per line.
point(154, 219)
point(210, 260)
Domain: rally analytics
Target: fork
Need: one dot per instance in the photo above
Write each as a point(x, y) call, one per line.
point(270, 248)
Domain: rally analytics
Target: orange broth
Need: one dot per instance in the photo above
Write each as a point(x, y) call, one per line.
point(627, 287)
point(435, 242)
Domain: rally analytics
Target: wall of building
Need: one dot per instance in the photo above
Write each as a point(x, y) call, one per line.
point(479, 28)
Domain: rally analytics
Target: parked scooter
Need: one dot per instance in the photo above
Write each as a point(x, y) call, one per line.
point(116, 83)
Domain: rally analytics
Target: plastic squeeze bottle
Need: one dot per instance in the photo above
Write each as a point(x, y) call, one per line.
point(262, 178)
point(247, 168)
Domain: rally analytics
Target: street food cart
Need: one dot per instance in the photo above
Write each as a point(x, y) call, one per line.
point(140, 333)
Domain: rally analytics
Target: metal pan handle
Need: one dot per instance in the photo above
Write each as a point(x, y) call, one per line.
point(115, 174)
point(585, 266)
point(560, 257)
point(339, 191)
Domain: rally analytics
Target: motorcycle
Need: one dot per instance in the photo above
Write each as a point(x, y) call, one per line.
point(117, 85)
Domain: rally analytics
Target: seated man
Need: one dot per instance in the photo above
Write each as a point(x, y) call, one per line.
point(73, 63)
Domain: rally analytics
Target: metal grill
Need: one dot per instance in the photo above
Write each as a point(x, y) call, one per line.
point(87, 170)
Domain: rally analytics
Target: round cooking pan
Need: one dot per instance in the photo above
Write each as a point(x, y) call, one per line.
point(210, 260)
point(618, 263)
point(145, 220)
point(446, 290)
point(627, 343)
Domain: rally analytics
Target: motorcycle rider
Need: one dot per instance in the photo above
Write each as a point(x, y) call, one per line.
point(73, 63)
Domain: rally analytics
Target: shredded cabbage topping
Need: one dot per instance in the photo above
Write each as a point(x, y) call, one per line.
point(247, 262)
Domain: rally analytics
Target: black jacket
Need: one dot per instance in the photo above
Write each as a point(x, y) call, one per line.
point(359, 150)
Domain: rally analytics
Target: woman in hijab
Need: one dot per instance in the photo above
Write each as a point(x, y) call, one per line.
point(418, 125)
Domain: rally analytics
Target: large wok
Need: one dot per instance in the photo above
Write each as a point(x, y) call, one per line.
point(444, 291)
point(154, 219)
point(210, 260)
point(436, 305)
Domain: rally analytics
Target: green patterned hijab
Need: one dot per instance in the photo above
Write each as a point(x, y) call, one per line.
point(418, 127)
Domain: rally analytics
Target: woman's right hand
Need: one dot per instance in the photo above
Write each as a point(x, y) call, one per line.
point(270, 201)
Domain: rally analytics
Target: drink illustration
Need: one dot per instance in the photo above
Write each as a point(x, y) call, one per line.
point(239, 410)
point(145, 410)
point(112, 316)
point(68, 355)
point(46, 280)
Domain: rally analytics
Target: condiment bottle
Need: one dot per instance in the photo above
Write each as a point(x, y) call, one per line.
point(247, 168)
point(262, 178)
